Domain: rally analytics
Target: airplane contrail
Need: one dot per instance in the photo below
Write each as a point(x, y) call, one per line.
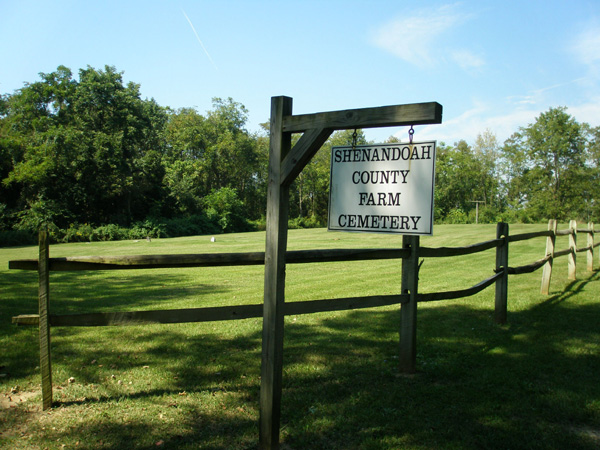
point(198, 37)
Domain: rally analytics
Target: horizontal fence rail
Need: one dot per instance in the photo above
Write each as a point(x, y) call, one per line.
point(409, 254)
point(527, 236)
point(449, 295)
point(75, 263)
point(440, 252)
point(208, 314)
point(528, 268)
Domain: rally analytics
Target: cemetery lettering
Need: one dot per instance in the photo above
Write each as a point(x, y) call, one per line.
point(375, 222)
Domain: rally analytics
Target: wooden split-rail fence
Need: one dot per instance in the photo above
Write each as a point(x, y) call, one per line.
point(410, 253)
point(286, 162)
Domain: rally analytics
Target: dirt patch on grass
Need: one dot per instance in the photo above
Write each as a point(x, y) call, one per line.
point(15, 398)
point(17, 411)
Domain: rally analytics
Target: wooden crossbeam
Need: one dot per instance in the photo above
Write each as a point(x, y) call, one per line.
point(382, 116)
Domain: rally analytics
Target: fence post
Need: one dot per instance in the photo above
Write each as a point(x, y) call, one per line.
point(44, 324)
point(573, 246)
point(547, 271)
point(408, 311)
point(590, 244)
point(501, 266)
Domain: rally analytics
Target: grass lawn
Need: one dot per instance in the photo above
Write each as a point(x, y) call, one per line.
point(532, 383)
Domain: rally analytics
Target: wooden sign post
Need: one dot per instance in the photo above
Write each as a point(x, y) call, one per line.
point(285, 164)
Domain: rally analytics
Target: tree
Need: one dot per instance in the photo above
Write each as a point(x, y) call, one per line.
point(545, 166)
point(590, 195)
point(486, 151)
point(184, 133)
point(231, 155)
point(40, 144)
point(207, 154)
point(513, 167)
point(184, 162)
point(462, 178)
point(90, 147)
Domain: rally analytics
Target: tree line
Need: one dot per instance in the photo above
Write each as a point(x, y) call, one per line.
point(89, 158)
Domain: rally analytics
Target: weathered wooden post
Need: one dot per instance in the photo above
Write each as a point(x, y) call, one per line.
point(274, 293)
point(408, 311)
point(550, 244)
point(44, 323)
point(572, 257)
point(590, 244)
point(285, 164)
point(500, 311)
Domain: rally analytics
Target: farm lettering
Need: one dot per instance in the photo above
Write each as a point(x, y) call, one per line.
point(381, 199)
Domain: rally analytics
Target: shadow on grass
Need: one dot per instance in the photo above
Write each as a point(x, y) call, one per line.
point(72, 292)
point(529, 384)
point(573, 288)
point(143, 435)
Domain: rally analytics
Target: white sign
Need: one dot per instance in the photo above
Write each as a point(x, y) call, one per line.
point(382, 188)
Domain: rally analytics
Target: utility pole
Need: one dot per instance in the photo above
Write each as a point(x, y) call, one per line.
point(477, 202)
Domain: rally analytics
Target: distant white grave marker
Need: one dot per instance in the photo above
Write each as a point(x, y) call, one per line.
point(383, 188)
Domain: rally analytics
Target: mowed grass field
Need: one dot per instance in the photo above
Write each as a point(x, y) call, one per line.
point(532, 383)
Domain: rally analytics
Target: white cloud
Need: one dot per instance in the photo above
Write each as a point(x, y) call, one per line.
point(416, 38)
point(467, 60)
point(586, 46)
point(543, 95)
point(480, 117)
point(472, 122)
point(585, 49)
point(588, 112)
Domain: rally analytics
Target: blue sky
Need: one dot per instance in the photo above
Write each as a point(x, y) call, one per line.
point(492, 64)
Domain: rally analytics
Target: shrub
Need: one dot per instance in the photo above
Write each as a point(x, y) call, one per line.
point(147, 228)
point(225, 208)
point(259, 224)
point(190, 226)
point(305, 222)
point(456, 216)
point(110, 232)
point(77, 233)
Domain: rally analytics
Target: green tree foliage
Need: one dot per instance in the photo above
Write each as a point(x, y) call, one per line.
point(549, 169)
point(90, 150)
point(590, 195)
point(463, 177)
point(486, 151)
point(205, 154)
point(88, 153)
point(225, 208)
point(86, 146)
